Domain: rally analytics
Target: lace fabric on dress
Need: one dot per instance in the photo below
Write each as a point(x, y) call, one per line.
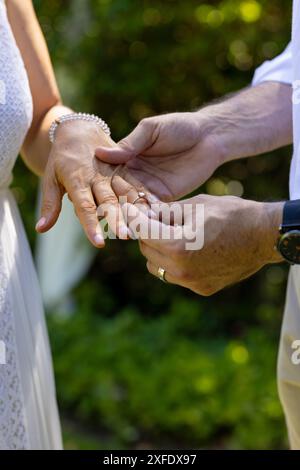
point(15, 119)
point(12, 425)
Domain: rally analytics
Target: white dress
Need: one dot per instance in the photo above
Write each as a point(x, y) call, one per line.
point(28, 410)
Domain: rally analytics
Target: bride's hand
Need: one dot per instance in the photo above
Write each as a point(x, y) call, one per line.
point(73, 169)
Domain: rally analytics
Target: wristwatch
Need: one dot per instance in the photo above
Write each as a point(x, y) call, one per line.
point(288, 243)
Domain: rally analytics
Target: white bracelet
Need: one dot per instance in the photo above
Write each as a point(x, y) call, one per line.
point(77, 117)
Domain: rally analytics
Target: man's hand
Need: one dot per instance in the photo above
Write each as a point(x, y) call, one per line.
point(174, 154)
point(73, 168)
point(171, 154)
point(239, 239)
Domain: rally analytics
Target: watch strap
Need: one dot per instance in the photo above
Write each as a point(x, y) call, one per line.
point(291, 216)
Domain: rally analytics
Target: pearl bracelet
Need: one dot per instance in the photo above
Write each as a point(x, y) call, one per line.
point(77, 117)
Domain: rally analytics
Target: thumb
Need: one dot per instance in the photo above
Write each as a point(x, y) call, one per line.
point(140, 139)
point(51, 204)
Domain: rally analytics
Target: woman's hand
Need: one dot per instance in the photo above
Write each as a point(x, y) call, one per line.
point(73, 169)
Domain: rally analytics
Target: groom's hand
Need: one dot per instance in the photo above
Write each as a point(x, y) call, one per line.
point(174, 154)
point(171, 154)
point(239, 238)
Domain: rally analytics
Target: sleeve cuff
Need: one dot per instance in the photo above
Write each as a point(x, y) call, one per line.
point(279, 69)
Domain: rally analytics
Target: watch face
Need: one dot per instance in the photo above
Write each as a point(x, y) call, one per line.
point(289, 246)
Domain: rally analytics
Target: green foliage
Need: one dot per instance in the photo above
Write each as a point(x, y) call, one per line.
point(140, 359)
point(162, 381)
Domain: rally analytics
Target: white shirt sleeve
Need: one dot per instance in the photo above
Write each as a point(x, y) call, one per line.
point(279, 69)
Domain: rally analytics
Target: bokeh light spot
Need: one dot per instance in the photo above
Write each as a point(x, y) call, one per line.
point(240, 354)
point(250, 11)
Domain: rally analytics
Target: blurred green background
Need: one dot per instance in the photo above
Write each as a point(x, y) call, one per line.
point(142, 364)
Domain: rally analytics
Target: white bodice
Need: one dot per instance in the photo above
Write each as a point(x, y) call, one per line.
point(15, 119)
point(15, 99)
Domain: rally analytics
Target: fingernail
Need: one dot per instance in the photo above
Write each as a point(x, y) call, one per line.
point(40, 223)
point(98, 239)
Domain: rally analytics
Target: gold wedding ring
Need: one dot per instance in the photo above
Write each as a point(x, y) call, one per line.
point(161, 274)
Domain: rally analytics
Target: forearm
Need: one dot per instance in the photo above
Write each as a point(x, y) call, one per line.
point(255, 121)
point(36, 148)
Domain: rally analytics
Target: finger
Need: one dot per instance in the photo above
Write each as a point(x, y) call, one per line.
point(170, 214)
point(149, 181)
point(140, 139)
point(52, 194)
point(127, 193)
point(153, 269)
point(153, 233)
point(140, 187)
point(109, 207)
point(157, 258)
point(86, 211)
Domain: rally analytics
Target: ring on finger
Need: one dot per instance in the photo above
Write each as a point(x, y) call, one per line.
point(161, 274)
point(140, 196)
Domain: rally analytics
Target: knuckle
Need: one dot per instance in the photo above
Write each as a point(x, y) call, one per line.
point(98, 180)
point(125, 145)
point(48, 205)
point(77, 181)
point(146, 123)
point(85, 205)
point(121, 188)
point(74, 185)
point(108, 199)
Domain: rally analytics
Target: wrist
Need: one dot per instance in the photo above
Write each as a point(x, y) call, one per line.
point(89, 132)
point(86, 122)
point(212, 127)
point(271, 219)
